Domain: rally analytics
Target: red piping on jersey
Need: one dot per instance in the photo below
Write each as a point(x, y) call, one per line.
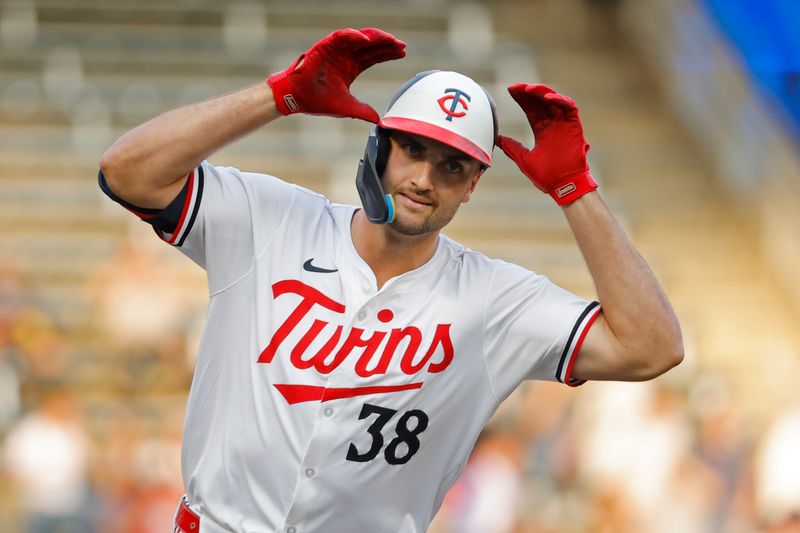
point(576, 351)
point(189, 193)
point(311, 393)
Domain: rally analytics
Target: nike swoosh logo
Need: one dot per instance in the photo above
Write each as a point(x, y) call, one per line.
point(311, 268)
point(312, 393)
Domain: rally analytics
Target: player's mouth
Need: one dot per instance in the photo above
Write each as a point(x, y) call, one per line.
point(414, 200)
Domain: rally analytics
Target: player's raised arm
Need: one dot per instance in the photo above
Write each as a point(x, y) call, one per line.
point(147, 166)
point(637, 335)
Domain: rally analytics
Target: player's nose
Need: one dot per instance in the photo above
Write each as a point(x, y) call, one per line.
point(423, 175)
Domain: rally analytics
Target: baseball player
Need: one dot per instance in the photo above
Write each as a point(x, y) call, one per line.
point(352, 354)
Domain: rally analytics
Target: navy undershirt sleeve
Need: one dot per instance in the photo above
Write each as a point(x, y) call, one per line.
point(165, 220)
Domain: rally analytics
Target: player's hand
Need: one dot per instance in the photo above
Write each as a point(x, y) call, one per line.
point(318, 82)
point(557, 163)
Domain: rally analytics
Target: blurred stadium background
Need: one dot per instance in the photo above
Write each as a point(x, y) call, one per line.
point(692, 109)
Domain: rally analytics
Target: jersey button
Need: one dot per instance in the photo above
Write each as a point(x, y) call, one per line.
point(361, 315)
point(310, 472)
point(328, 411)
point(291, 529)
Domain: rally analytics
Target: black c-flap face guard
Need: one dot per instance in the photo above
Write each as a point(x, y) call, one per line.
point(378, 206)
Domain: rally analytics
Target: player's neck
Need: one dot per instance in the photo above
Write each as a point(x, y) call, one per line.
point(387, 252)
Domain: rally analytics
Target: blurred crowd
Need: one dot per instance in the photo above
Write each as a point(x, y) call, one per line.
point(622, 457)
point(90, 424)
point(90, 430)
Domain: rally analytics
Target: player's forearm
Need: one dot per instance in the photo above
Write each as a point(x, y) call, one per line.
point(635, 307)
point(156, 155)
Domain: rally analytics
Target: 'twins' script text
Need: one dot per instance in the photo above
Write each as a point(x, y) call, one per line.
point(369, 343)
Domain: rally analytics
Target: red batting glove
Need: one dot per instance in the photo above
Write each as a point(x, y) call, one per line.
point(318, 82)
point(557, 163)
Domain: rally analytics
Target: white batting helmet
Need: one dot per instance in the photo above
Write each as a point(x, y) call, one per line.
point(448, 107)
point(442, 105)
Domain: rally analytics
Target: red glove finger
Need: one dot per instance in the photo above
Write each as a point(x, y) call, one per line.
point(353, 108)
point(318, 82)
point(536, 89)
point(379, 36)
point(531, 98)
point(517, 152)
point(562, 100)
point(514, 149)
point(347, 40)
point(563, 104)
point(557, 163)
point(379, 54)
point(376, 34)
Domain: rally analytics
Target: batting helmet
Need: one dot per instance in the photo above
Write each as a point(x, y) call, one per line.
point(441, 105)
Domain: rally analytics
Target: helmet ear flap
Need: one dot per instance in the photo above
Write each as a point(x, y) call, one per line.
point(378, 206)
point(382, 147)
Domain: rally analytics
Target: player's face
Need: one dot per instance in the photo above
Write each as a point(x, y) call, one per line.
point(428, 181)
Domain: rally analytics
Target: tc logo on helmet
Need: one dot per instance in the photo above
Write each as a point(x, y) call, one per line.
point(455, 99)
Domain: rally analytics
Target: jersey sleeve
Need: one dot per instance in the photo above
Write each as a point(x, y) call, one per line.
point(221, 219)
point(534, 329)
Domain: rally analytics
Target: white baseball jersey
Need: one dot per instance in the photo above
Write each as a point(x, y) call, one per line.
point(323, 404)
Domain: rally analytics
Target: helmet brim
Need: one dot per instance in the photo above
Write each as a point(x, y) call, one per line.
point(436, 133)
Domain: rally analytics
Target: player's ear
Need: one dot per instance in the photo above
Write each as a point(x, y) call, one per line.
point(472, 184)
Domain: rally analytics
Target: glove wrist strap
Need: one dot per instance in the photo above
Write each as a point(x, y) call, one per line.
point(573, 187)
point(282, 91)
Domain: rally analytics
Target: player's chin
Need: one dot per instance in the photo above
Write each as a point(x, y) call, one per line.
point(407, 223)
point(412, 224)
point(405, 227)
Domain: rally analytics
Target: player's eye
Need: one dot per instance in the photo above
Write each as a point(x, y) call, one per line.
point(454, 167)
point(412, 148)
